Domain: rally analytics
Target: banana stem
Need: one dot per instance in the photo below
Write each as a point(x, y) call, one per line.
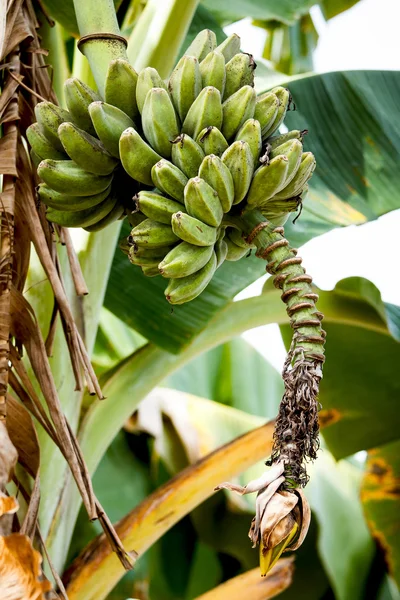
point(296, 429)
point(52, 40)
point(97, 17)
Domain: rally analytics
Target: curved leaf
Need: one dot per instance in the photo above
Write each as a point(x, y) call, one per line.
point(287, 11)
point(380, 495)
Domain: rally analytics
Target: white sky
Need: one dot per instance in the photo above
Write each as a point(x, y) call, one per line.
point(365, 37)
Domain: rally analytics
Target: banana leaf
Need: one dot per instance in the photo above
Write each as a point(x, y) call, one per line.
point(287, 11)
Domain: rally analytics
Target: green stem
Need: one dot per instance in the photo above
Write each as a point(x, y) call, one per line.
point(52, 40)
point(97, 17)
point(81, 68)
point(159, 33)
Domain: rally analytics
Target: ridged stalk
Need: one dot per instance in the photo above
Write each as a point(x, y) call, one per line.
point(97, 17)
point(296, 430)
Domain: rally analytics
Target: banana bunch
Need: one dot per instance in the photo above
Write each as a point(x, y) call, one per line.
point(199, 149)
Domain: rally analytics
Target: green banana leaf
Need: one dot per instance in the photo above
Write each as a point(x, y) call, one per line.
point(287, 11)
point(332, 8)
point(380, 496)
point(358, 388)
point(354, 124)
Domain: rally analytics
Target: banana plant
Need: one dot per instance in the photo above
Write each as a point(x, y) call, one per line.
point(124, 117)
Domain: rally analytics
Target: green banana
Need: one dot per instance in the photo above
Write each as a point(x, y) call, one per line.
point(149, 255)
point(134, 218)
point(35, 159)
point(82, 218)
point(114, 214)
point(120, 87)
point(159, 122)
point(239, 160)
point(237, 109)
point(221, 250)
point(185, 259)
point(293, 150)
point(250, 132)
point(192, 230)
point(49, 116)
point(212, 70)
point(203, 43)
point(202, 202)
point(239, 72)
point(41, 145)
point(185, 84)
point(137, 157)
point(219, 177)
point(303, 174)
point(229, 47)
point(187, 155)
point(78, 97)
point(65, 202)
point(85, 150)
point(150, 271)
point(278, 140)
point(109, 123)
point(65, 175)
point(169, 179)
point(148, 78)
point(268, 180)
point(212, 141)
point(205, 111)
point(187, 288)
point(266, 111)
point(157, 207)
point(234, 252)
point(283, 96)
point(152, 234)
point(236, 236)
point(278, 211)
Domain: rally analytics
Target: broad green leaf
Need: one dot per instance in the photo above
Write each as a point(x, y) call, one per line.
point(287, 11)
point(358, 387)
point(234, 374)
point(332, 8)
point(345, 544)
point(205, 570)
point(380, 495)
point(64, 13)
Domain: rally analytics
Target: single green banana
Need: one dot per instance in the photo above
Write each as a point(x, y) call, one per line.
point(85, 150)
point(137, 157)
point(283, 96)
point(149, 254)
point(187, 155)
point(304, 172)
point(278, 211)
point(134, 218)
point(268, 180)
point(82, 218)
point(78, 97)
point(221, 250)
point(278, 140)
point(191, 230)
point(169, 179)
point(65, 176)
point(229, 47)
point(239, 72)
point(203, 43)
point(212, 141)
point(152, 234)
point(293, 151)
point(212, 70)
point(205, 111)
point(35, 159)
point(148, 78)
point(234, 252)
point(185, 289)
point(120, 87)
point(114, 215)
point(266, 111)
point(109, 123)
point(64, 202)
point(49, 116)
point(157, 207)
point(159, 122)
point(41, 145)
point(150, 271)
point(236, 236)
point(250, 132)
point(219, 177)
point(145, 260)
point(237, 109)
point(184, 260)
point(202, 202)
point(185, 84)
point(239, 160)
